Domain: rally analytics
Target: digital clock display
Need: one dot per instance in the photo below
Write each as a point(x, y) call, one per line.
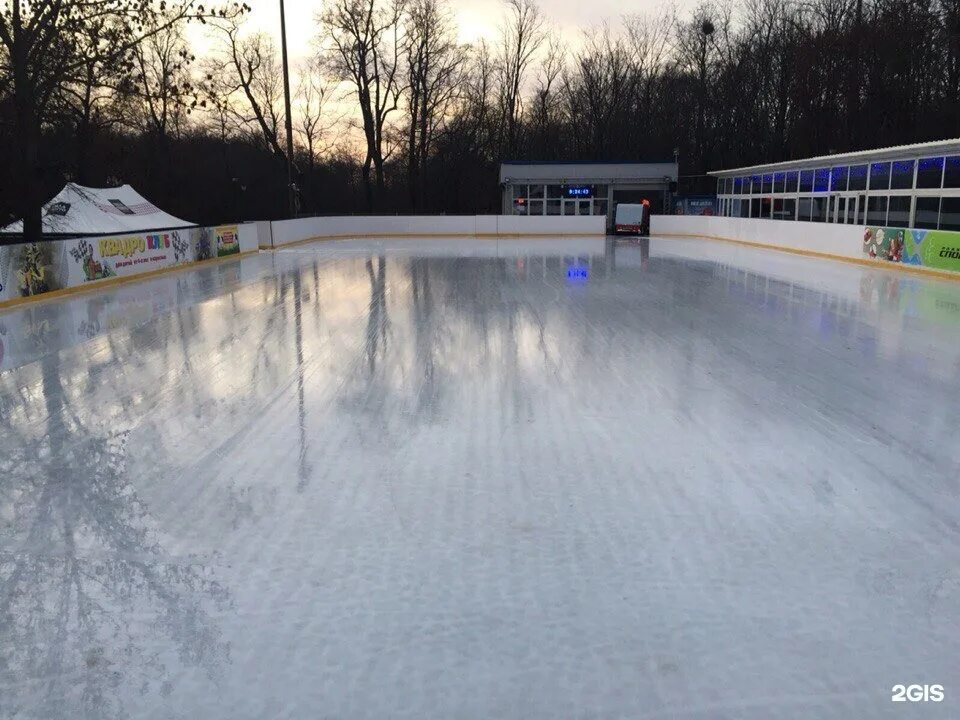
point(579, 191)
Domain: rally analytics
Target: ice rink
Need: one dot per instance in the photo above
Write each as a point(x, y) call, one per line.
point(484, 479)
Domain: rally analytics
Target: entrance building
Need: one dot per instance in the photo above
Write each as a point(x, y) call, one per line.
point(584, 188)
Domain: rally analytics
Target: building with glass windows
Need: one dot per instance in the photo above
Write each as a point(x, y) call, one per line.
point(584, 188)
point(908, 186)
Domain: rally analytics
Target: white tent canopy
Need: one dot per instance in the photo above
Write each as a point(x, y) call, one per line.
point(101, 211)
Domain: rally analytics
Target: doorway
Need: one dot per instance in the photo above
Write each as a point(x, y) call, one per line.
point(577, 207)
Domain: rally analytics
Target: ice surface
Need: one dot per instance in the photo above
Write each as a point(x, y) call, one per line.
point(454, 480)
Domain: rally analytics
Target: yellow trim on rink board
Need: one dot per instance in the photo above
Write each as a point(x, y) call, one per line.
point(866, 262)
point(109, 282)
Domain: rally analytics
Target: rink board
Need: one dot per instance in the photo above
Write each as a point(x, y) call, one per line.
point(34, 269)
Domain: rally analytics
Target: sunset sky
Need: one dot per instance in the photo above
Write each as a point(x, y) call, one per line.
point(475, 18)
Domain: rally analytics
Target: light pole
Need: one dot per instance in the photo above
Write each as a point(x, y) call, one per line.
point(286, 98)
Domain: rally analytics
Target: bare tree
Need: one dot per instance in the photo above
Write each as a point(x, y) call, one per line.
point(89, 95)
point(42, 52)
point(548, 77)
point(246, 70)
point(600, 90)
point(364, 37)
point(521, 36)
point(314, 123)
point(162, 82)
point(434, 65)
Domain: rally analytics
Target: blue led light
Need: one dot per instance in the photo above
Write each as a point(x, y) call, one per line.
point(577, 272)
point(579, 191)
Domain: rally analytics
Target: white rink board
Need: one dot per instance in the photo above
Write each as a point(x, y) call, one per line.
point(843, 240)
point(290, 231)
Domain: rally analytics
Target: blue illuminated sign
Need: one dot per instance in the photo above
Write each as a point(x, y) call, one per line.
point(579, 191)
point(576, 272)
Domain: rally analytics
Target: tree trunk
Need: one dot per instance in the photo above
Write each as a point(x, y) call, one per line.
point(367, 186)
point(30, 204)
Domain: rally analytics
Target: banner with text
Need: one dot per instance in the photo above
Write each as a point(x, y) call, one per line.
point(938, 249)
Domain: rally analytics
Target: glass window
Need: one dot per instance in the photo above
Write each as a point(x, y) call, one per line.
point(901, 176)
point(536, 191)
point(819, 209)
point(553, 207)
point(838, 178)
point(746, 185)
point(877, 211)
point(929, 172)
point(880, 176)
point(555, 191)
point(950, 213)
point(928, 212)
point(806, 181)
point(804, 207)
point(784, 208)
point(861, 209)
point(536, 207)
point(744, 208)
point(737, 186)
point(767, 184)
point(821, 180)
point(755, 208)
point(898, 212)
point(599, 207)
point(791, 182)
point(789, 209)
point(857, 177)
point(779, 182)
point(519, 191)
point(951, 172)
point(755, 181)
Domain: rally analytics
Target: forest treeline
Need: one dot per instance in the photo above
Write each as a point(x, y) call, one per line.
point(393, 114)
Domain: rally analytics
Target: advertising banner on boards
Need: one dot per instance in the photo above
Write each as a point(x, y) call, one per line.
point(695, 205)
point(99, 258)
point(227, 240)
point(35, 268)
point(27, 270)
point(938, 249)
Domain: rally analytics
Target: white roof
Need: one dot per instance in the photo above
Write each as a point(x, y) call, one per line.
point(587, 172)
point(896, 152)
point(101, 211)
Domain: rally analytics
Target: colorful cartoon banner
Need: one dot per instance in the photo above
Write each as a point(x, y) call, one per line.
point(938, 249)
point(32, 269)
point(99, 258)
point(228, 240)
point(27, 270)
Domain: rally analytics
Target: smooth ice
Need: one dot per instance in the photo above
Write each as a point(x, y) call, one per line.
point(452, 479)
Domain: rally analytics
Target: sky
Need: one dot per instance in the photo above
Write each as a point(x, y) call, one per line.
point(475, 18)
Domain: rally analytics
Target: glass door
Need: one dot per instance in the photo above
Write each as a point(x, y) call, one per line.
point(841, 209)
point(584, 207)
